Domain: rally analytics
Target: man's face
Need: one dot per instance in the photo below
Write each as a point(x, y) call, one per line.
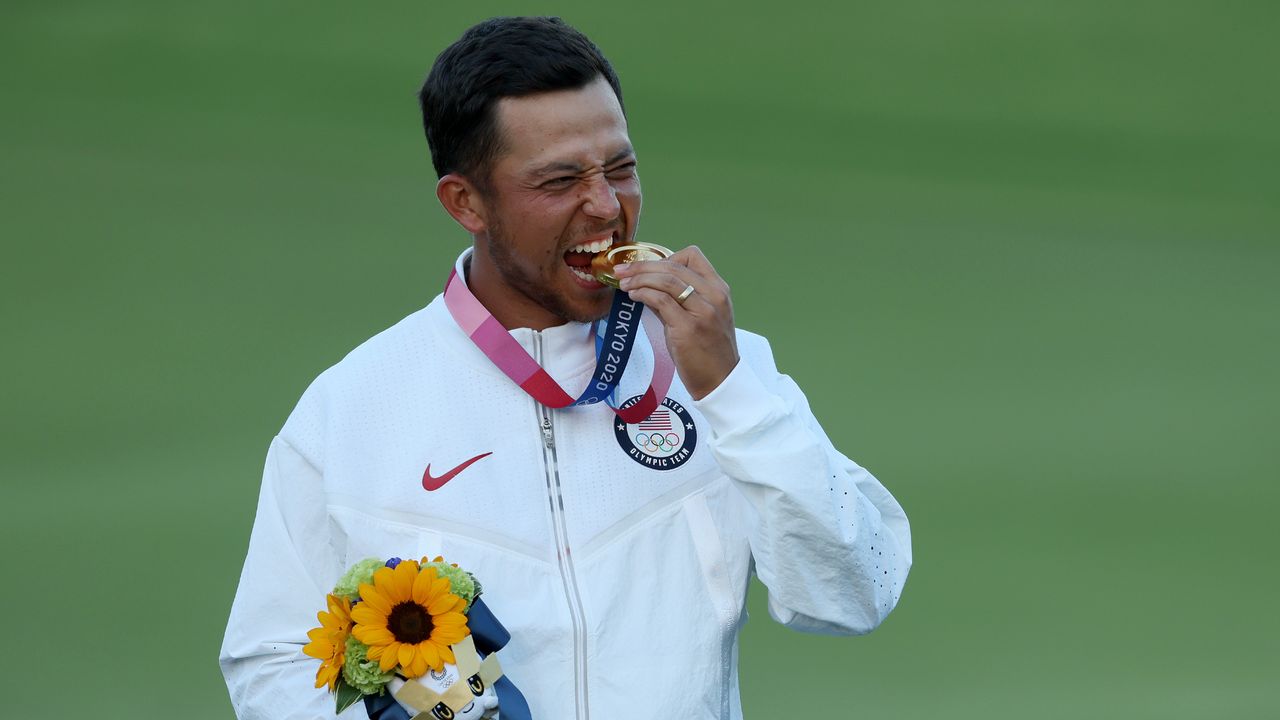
point(564, 181)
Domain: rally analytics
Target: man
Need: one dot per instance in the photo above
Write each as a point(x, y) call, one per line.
point(616, 549)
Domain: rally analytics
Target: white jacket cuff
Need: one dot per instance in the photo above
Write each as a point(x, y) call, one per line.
point(739, 403)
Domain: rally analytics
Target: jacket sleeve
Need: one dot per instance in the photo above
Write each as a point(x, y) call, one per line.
point(829, 542)
point(288, 570)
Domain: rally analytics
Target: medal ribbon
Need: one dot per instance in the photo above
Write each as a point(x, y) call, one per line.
point(611, 356)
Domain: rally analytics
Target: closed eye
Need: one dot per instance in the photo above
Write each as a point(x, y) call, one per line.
point(623, 171)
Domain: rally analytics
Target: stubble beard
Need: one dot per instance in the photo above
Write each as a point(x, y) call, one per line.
point(500, 251)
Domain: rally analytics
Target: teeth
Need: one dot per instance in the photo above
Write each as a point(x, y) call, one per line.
point(584, 276)
point(598, 246)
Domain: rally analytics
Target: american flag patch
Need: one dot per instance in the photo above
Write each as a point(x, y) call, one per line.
point(659, 420)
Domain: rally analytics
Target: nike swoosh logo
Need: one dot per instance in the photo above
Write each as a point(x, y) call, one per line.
point(435, 483)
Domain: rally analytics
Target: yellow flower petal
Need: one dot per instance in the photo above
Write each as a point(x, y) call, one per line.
point(323, 644)
point(442, 604)
point(339, 607)
point(374, 635)
point(422, 586)
point(449, 619)
point(433, 587)
point(432, 654)
point(327, 675)
point(441, 585)
point(445, 638)
point(367, 635)
point(388, 659)
point(402, 583)
point(382, 576)
point(454, 631)
point(369, 616)
point(418, 667)
point(406, 655)
point(373, 598)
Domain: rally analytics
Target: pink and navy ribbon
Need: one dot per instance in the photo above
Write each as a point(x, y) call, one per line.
point(612, 354)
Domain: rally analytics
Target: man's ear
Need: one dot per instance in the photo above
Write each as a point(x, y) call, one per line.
point(464, 203)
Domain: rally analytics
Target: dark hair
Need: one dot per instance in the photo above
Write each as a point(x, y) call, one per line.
point(498, 58)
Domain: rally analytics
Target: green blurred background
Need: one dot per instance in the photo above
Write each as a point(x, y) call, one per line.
point(1022, 255)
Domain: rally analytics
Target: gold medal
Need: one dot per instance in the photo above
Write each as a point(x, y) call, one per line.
point(602, 264)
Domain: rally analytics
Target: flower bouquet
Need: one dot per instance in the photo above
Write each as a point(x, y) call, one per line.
point(403, 628)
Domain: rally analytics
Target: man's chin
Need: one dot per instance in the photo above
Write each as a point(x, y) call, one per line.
point(588, 315)
point(575, 305)
point(586, 301)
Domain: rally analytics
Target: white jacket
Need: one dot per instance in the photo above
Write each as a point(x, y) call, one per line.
point(622, 581)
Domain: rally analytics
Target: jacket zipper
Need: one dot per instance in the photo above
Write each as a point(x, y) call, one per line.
point(563, 556)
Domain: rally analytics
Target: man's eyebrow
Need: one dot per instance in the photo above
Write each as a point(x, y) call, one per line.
point(557, 167)
point(625, 152)
point(563, 167)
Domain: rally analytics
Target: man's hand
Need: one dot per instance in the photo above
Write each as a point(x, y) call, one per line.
point(699, 327)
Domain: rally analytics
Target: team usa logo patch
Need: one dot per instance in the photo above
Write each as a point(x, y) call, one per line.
point(663, 441)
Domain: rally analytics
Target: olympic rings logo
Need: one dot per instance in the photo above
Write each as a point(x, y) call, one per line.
point(658, 442)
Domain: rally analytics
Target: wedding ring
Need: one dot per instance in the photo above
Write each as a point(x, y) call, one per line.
point(684, 295)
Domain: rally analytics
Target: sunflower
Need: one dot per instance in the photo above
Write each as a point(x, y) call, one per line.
point(409, 617)
point(329, 641)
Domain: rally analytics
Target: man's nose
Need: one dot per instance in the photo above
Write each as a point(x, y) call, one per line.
point(601, 198)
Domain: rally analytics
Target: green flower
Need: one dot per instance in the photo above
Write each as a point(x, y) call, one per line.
point(461, 583)
point(362, 572)
point(362, 673)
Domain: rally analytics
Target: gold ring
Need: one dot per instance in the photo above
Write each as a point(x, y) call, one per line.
point(684, 295)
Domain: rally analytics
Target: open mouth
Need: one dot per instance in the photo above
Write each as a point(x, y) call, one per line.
point(580, 256)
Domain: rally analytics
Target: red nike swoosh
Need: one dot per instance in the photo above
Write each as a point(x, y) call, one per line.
point(435, 483)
